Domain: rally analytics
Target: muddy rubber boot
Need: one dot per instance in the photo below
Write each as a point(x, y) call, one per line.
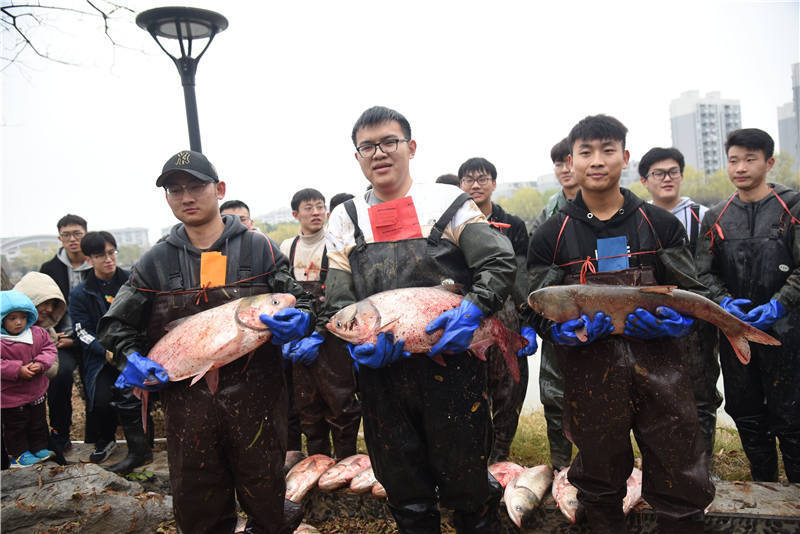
point(484, 521)
point(139, 451)
point(606, 519)
point(420, 518)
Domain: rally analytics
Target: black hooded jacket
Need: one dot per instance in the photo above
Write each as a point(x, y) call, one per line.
point(655, 237)
point(123, 328)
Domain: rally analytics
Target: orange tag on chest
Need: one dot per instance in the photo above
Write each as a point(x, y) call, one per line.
point(394, 220)
point(213, 266)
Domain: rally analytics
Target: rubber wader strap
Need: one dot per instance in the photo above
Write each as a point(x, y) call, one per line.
point(438, 229)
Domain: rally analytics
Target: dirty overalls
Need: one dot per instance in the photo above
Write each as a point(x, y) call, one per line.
point(753, 249)
point(229, 445)
point(618, 384)
point(325, 391)
point(427, 427)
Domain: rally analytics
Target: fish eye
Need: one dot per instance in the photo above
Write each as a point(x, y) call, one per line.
point(338, 324)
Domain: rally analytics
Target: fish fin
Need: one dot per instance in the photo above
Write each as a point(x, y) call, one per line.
point(144, 395)
point(247, 363)
point(201, 373)
point(664, 290)
point(741, 347)
point(385, 326)
point(582, 334)
point(438, 358)
point(172, 325)
point(479, 348)
point(752, 333)
point(212, 379)
point(507, 341)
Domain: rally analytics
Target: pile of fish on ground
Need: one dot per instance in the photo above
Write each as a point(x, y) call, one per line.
point(524, 488)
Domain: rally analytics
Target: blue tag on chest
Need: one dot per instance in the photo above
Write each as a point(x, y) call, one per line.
point(612, 254)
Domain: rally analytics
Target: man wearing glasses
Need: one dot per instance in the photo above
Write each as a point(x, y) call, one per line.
point(661, 173)
point(427, 427)
point(68, 268)
point(478, 178)
point(226, 436)
point(239, 209)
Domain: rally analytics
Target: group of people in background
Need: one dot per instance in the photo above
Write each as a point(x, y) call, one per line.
point(430, 430)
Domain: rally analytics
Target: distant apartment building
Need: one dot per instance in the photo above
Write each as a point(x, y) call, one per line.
point(700, 126)
point(131, 236)
point(789, 121)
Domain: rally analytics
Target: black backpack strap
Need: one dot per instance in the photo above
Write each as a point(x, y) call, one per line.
point(292, 249)
point(323, 270)
point(350, 208)
point(695, 229)
point(438, 229)
point(175, 278)
point(246, 255)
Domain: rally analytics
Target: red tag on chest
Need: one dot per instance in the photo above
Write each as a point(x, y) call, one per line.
point(394, 220)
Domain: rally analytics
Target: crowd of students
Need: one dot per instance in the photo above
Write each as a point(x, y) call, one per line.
point(430, 430)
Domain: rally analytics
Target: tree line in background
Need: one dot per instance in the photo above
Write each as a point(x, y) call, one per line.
point(525, 202)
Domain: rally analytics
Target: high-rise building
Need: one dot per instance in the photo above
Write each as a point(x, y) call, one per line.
point(700, 126)
point(789, 121)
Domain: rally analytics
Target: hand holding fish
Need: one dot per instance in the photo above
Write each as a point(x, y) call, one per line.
point(305, 350)
point(764, 315)
point(143, 373)
point(734, 307)
point(530, 335)
point(379, 354)
point(583, 330)
point(665, 323)
point(286, 325)
point(459, 325)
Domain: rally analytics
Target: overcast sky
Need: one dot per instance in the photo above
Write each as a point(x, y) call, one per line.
point(279, 91)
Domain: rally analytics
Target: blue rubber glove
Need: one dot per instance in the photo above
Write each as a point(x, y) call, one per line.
point(459, 324)
point(379, 354)
point(667, 322)
point(286, 325)
point(142, 373)
point(764, 315)
point(304, 350)
point(600, 326)
point(734, 307)
point(530, 334)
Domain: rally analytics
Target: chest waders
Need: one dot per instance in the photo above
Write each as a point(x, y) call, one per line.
point(232, 443)
point(324, 392)
point(427, 427)
point(618, 384)
point(754, 252)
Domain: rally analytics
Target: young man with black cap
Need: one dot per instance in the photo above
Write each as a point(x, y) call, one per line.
point(749, 256)
point(233, 442)
point(640, 381)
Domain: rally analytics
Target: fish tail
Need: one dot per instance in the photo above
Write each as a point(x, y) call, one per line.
point(752, 333)
point(741, 347)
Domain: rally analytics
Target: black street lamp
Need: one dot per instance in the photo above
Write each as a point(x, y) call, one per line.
point(184, 24)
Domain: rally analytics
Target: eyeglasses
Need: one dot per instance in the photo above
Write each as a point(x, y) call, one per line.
point(195, 189)
point(244, 218)
point(367, 150)
point(660, 174)
point(77, 234)
point(482, 180)
point(104, 255)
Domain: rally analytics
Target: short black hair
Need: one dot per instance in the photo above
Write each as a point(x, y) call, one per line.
point(70, 219)
point(338, 198)
point(449, 179)
point(234, 205)
point(475, 165)
point(379, 115)
point(306, 194)
point(752, 139)
point(560, 151)
point(95, 242)
point(597, 127)
point(654, 155)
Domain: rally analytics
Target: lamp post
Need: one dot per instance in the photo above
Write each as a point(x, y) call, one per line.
point(184, 24)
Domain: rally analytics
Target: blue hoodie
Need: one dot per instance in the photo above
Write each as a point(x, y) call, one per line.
point(15, 301)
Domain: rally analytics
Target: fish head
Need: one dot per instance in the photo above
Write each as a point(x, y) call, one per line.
point(356, 323)
point(251, 308)
point(557, 303)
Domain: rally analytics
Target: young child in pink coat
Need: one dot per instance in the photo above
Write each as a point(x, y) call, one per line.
point(26, 353)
